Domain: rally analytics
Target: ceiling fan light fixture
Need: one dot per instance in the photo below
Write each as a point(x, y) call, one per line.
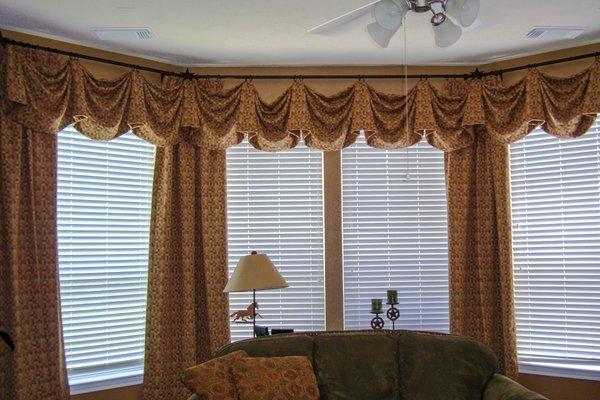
point(379, 34)
point(389, 14)
point(447, 33)
point(463, 11)
point(448, 16)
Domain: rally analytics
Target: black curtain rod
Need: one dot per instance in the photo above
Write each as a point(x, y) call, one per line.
point(190, 75)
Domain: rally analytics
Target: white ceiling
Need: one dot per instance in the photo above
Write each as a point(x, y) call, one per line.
point(273, 32)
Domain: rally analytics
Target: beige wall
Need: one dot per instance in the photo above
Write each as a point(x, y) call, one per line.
point(99, 70)
point(561, 388)
point(553, 388)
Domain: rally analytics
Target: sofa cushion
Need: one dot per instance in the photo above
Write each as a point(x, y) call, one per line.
point(357, 366)
point(273, 346)
point(213, 380)
point(443, 367)
point(275, 378)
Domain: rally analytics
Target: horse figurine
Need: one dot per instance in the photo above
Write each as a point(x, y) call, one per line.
point(246, 314)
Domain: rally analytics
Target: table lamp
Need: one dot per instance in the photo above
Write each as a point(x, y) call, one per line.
point(254, 272)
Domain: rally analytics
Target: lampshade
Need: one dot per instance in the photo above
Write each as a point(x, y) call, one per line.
point(447, 33)
point(463, 11)
point(255, 272)
point(389, 14)
point(379, 34)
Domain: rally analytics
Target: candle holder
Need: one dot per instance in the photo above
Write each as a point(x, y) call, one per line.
point(377, 322)
point(393, 314)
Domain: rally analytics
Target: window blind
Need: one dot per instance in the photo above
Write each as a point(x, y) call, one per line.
point(275, 206)
point(104, 196)
point(556, 240)
point(395, 234)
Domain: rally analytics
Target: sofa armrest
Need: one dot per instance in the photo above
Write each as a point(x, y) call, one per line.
point(502, 388)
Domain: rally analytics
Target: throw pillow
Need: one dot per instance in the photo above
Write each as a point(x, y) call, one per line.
point(213, 380)
point(275, 378)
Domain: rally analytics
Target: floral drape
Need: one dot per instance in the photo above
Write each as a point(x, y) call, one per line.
point(29, 300)
point(480, 248)
point(43, 93)
point(50, 92)
point(187, 309)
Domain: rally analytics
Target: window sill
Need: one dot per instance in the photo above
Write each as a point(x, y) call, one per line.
point(560, 371)
point(105, 384)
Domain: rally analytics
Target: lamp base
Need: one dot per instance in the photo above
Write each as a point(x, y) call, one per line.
point(254, 313)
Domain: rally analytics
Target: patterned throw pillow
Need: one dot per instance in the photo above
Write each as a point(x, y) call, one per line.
point(213, 380)
point(275, 378)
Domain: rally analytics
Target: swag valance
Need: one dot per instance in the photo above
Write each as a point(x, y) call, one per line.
point(46, 92)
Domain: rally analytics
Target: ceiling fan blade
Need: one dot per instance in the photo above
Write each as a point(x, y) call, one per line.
point(343, 19)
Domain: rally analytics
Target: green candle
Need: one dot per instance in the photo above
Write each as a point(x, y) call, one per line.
point(376, 306)
point(392, 297)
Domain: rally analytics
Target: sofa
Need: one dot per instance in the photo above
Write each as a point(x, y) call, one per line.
point(399, 365)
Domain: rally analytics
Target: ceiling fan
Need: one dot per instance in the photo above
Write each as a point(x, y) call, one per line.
point(389, 14)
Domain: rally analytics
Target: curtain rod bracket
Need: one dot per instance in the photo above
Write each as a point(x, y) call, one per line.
point(477, 74)
point(187, 75)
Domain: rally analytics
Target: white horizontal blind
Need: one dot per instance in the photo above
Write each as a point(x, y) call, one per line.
point(275, 206)
point(556, 240)
point(395, 234)
point(104, 196)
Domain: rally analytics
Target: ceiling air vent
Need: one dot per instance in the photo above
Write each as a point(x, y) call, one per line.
point(118, 34)
point(554, 33)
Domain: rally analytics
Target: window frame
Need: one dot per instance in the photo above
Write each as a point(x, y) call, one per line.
point(406, 233)
point(84, 177)
point(545, 155)
point(305, 165)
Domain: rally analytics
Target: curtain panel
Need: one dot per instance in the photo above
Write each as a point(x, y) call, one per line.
point(480, 248)
point(29, 284)
point(187, 310)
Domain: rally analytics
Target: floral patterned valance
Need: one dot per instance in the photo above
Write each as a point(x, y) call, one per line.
point(47, 92)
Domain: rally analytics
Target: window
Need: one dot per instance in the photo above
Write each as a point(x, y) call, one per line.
point(104, 196)
point(395, 234)
point(556, 241)
point(275, 206)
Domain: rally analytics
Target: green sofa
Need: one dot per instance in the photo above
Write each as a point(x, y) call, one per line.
point(399, 365)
